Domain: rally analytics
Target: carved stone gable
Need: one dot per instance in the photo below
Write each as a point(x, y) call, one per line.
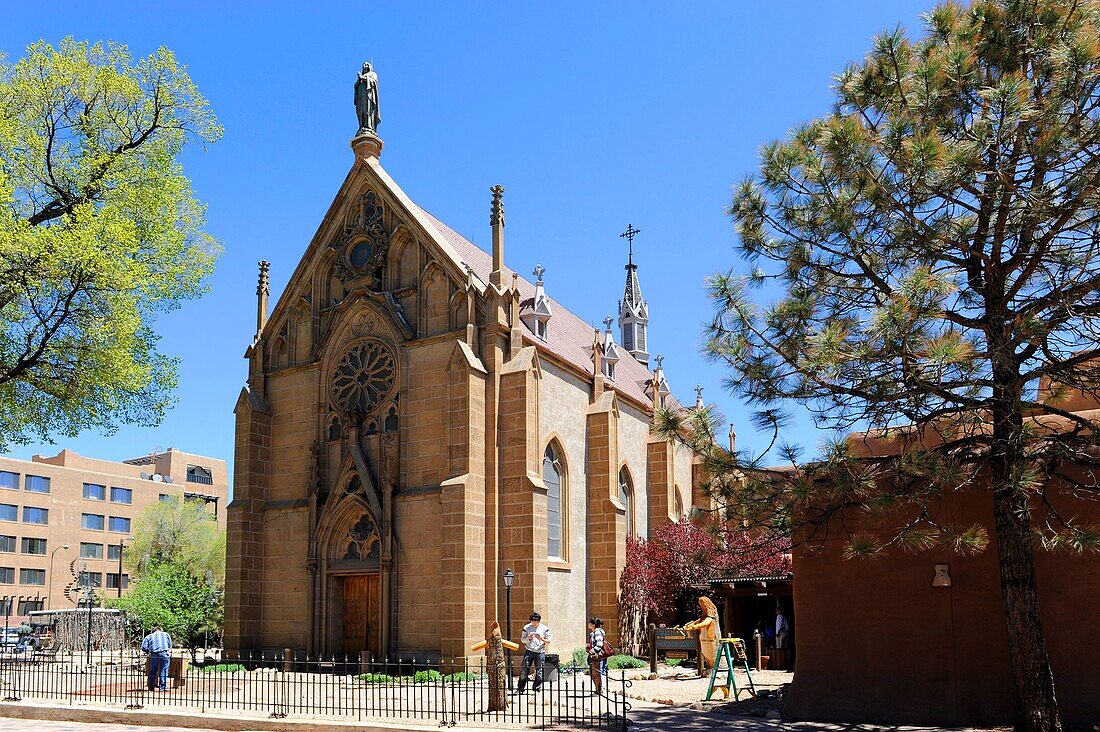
point(362, 245)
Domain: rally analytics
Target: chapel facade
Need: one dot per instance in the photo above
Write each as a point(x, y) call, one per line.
point(418, 418)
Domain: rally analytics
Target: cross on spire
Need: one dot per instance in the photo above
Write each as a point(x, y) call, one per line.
point(607, 322)
point(629, 235)
point(699, 391)
point(539, 271)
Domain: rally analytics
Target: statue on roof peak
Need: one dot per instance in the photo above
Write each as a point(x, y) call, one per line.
point(366, 101)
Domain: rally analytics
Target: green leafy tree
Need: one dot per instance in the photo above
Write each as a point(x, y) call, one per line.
point(178, 561)
point(182, 533)
point(190, 608)
point(930, 253)
point(99, 232)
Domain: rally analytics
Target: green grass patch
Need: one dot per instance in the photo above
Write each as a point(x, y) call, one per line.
point(429, 675)
point(622, 661)
point(674, 662)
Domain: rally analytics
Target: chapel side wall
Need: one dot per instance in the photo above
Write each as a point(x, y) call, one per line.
point(683, 476)
point(563, 402)
point(418, 506)
point(633, 444)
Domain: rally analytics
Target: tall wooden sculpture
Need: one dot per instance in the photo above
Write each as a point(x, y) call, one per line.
point(494, 666)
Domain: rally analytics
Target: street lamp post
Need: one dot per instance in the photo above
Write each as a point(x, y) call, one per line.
point(49, 587)
point(121, 546)
point(509, 580)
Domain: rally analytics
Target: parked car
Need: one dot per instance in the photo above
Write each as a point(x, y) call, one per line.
point(9, 637)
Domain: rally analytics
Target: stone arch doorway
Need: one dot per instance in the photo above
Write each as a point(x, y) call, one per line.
point(352, 612)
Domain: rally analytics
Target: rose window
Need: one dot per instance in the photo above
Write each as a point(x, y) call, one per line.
point(364, 378)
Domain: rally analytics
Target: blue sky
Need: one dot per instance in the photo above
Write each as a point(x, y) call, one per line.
point(592, 115)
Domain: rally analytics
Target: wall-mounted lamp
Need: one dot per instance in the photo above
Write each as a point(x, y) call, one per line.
point(942, 577)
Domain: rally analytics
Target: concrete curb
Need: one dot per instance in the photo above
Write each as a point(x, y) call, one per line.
point(222, 723)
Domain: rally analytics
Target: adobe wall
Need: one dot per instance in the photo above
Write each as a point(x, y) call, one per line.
point(877, 643)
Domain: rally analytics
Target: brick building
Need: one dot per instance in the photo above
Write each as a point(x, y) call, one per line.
point(419, 418)
point(66, 514)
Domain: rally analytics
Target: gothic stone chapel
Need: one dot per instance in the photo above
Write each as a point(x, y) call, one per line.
point(418, 419)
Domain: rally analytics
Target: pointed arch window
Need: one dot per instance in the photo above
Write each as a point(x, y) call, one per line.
point(554, 476)
point(626, 497)
point(679, 505)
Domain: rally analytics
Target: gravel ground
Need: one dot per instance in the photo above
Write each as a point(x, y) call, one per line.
point(680, 687)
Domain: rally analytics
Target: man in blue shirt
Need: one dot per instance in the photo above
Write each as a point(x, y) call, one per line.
point(158, 645)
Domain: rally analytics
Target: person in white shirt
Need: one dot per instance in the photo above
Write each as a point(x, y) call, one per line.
point(782, 629)
point(536, 639)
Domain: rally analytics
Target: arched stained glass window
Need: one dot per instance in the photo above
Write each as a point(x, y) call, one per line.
point(553, 475)
point(626, 497)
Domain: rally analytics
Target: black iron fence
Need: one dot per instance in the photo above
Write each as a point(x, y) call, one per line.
point(447, 692)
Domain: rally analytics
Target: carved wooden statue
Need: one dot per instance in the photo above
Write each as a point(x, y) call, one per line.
point(709, 632)
point(494, 665)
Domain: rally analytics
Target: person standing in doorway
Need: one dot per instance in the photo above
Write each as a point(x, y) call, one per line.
point(158, 645)
point(536, 639)
point(782, 629)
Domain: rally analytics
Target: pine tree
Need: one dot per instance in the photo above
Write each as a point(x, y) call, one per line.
point(930, 248)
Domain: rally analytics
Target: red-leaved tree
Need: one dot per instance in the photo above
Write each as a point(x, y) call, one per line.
point(659, 572)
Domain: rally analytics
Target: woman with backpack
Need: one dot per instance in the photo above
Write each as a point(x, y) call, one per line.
point(598, 652)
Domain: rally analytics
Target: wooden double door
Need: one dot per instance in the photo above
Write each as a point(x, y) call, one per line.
point(362, 614)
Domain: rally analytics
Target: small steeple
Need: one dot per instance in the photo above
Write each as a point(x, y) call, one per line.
point(263, 289)
point(610, 349)
point(538, 317)
point(659, 384)
point(633, 309)
point(496, 220)
point(733, 439)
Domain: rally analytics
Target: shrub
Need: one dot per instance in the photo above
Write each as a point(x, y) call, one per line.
point(462, 676)
point(376, 678)
point(621, 662)
point(580, 657)
point(223, 668)
point(429, 675)
point(674, 662)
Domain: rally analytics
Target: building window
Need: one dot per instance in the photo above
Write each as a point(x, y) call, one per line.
point(95, 492)
point(9, 480)
point(122, 495)
point(553, 475)
point(626, 497)
point(628, 337)
point(641, 337)
point(610, 370)
point(91, 579)
point(91, 551)
point(168, 498)
point(541, 328)
point(199, 474)
point(114, 551)
point(37, 484)
point(91, 521)
point(32, 576)
point(679, 506)
point(8, 512)
point(7, 605)
point(7, 575)
point(29, 606)
point(33, 546)
point(32, 515)
point(119, 524)
point(112, 581)
point(7, 544)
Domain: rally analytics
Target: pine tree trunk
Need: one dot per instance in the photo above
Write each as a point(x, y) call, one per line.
point(498, 679)
point(1034, 704)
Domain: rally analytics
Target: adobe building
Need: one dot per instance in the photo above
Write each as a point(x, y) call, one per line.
point(920, 638)
point(64, 520)
point(418, 419)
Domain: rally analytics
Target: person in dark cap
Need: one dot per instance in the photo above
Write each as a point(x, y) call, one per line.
point(536, 639)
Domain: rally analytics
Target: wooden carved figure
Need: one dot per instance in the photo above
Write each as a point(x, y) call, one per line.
point(709, 632)
point(494, 666)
